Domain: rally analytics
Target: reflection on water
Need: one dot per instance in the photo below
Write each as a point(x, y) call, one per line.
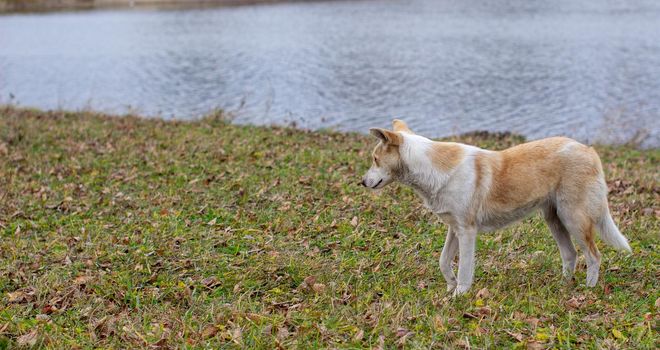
point(588, 69)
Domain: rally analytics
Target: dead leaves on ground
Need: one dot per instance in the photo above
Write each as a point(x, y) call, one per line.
point(309, 283)
point(23, 295)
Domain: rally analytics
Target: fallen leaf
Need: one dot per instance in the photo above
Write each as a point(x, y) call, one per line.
point(354, 221)
point(48, 309)
point(381, 343)
point(403, 335)
point(438, 323)
point(572, 303)
point(484, 311)
point(28, 339)
point(106, 326)
point(318, 287)
point(83, 279)
point(267, 331)
point(463, 343)
point(481, 330)
point(534, 345)
point(20, 296)
point(310, 280)
point(209, 332)
point(160, 344)
point(483, 293)
point(282, 333)
point(237, 335)
point(591, 318)
point(516, 336)
point(253, 317)
point(211, 282)
point(533, 321)
point(400, 332)
point(359, 335)
point(16, 297)
point(212, 222)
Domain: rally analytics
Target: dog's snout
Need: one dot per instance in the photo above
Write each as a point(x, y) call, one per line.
point(363, 183)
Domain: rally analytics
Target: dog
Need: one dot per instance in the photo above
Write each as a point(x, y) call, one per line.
point(475, 190)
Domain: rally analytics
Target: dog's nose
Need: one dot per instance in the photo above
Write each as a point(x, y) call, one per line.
point(363, 183)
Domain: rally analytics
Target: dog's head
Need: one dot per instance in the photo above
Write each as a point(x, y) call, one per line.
point(386, 164)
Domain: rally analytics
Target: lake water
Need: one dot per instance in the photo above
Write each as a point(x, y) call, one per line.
point(586, 69)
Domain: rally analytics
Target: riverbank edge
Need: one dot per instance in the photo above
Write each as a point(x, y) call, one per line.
point(38, 6)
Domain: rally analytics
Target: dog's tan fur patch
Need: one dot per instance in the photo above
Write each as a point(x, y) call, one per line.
point(446, 155)
point(386, 155)
point(525, 173)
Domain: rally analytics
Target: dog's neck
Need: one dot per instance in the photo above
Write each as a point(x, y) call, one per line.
point(418, 171)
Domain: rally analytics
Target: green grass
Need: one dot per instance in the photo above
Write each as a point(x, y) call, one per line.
point(121, 232)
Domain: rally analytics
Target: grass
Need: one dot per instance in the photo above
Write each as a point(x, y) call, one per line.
point(122, 232)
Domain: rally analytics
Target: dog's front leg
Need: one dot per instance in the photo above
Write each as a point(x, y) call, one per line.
point(467, 239)
point(448, 254)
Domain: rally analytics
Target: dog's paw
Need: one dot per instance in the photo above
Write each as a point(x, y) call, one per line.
point(460, 290)
point(451, 287)
point(591, 281)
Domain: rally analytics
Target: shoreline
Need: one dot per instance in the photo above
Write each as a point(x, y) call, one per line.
point(44, 6)
point(476, 135)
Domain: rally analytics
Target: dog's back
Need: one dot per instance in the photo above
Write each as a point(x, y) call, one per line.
point(534, 173)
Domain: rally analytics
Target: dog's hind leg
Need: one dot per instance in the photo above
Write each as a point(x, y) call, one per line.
point(563, 239)
point(581, 227)
point(448, 254)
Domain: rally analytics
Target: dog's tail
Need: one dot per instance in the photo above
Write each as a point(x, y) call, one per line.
point(611, 234)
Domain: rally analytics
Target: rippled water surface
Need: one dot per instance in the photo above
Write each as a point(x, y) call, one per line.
point(588, 69)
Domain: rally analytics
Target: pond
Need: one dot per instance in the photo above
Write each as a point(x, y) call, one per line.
point(585, 69)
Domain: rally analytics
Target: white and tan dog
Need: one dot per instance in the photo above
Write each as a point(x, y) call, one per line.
point(474, 190)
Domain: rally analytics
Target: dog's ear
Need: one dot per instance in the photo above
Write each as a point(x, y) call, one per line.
point(401, 126)
point(388, 137)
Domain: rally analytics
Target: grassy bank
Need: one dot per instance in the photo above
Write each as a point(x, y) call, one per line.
point(126, 232)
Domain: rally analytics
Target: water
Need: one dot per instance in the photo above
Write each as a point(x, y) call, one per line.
point(587, 69)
